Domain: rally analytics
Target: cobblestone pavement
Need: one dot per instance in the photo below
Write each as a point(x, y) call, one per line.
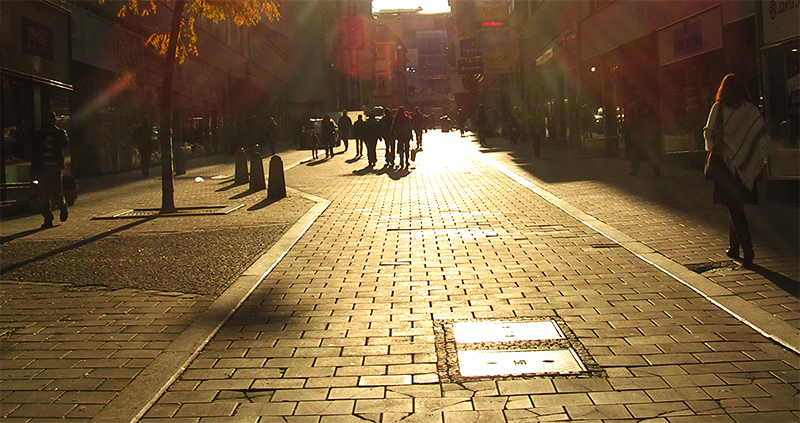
point(359, 320)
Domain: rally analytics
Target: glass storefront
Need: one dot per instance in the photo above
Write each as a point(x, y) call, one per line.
point(688, 89)
point(781, 68)
point(23, 103)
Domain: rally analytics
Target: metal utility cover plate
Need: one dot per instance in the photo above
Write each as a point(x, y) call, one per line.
point(518, 362)
point(467, 332)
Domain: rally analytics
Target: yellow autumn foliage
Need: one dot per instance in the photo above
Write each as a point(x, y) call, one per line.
point(240, 12)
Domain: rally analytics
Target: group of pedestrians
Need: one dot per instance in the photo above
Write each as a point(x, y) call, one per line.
point(397, 129)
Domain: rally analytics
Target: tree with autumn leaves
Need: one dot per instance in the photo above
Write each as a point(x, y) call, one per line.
point(179, 42)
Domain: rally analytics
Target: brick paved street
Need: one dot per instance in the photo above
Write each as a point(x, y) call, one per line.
point(351, 315)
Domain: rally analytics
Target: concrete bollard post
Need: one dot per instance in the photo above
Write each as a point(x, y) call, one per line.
point(257, 182)
point(277, 182)
point(242, 176)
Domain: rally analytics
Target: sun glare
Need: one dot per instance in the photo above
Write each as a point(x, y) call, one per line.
point(428, 6)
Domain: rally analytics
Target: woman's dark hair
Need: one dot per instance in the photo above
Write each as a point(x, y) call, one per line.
point(733, 91)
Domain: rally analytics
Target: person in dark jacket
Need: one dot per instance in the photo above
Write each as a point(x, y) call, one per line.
point(345, 126)
point(536, 129)
point(482, 124)
point(418, 119)
point(461, 120)
point(358, 135)
point(402, 131)
point(328, 135)
point(639, 130)
point(388, 137)
point(47, 162)
point(144, 143)
point(371, 132)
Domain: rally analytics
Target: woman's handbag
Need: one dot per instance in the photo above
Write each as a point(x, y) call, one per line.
point(715, 165)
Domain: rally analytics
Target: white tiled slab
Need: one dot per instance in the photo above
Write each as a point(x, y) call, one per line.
point(467, 332)
point(518, 362)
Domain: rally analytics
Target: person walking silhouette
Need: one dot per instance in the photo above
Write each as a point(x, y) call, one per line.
point(47, 162)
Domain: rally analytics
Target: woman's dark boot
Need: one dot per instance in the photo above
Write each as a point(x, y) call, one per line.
point(733, 242)
point(747, 245)
point(748, 256)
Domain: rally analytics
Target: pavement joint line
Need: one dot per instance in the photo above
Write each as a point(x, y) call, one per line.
point(746, 312)
point(131, 404)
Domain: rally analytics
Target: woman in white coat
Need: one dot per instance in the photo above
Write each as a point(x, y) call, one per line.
point(744, 146)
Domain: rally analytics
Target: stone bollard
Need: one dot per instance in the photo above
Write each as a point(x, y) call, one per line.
point(257, 182)
point(241, 167)
point(277, 182)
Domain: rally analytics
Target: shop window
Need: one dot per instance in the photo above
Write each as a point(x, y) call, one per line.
point(783, 95)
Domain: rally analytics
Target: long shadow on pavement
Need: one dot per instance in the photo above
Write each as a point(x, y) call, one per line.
point(9, 238)
point(782, 281)
point(263, 203)
point(76, 245)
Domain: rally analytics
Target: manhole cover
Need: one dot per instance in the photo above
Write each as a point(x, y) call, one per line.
point(502, 348)
point(181, 211)
point(466, 332)
point(483, 363)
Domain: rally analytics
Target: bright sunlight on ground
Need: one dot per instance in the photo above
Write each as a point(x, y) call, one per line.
point(428, 6)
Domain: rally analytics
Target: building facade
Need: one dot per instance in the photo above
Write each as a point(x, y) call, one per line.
point(355, 54)
point(95, 70)
point(584, 62)
point(430, 41)
point(390, 82)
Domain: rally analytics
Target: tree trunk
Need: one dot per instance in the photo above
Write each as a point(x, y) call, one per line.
point(167, 182)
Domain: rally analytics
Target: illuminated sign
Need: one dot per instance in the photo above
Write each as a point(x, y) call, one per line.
point(492, 24)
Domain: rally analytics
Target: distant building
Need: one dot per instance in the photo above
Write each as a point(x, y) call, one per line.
point(430, 41)
point(389, 88)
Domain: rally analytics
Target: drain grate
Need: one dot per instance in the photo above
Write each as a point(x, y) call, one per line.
point(492, 348)
point(182, 211)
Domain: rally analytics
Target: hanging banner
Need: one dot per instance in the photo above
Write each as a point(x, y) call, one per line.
point(497, 50)
point(499, 61)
